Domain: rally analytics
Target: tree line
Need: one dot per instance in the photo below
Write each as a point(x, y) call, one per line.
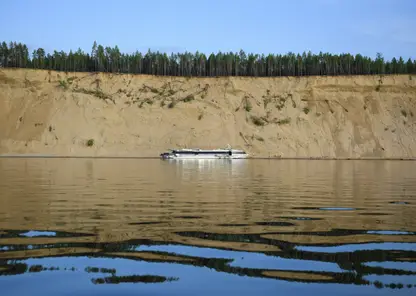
point(110, 59)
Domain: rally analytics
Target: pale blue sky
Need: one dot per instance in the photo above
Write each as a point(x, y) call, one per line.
point(259, 26)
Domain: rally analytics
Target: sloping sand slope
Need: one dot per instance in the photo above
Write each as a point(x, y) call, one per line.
point(56, 113)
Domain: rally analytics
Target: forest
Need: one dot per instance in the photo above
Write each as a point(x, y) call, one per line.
point(110, 59)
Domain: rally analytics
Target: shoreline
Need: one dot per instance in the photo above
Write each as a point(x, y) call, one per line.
point(248, 158)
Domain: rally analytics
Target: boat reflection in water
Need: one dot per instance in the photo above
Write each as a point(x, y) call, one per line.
point(205, 170)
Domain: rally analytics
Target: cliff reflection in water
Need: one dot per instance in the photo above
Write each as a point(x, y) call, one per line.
point(208, 225)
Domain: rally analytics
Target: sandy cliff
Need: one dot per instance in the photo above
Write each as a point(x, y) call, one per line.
point(56, 113)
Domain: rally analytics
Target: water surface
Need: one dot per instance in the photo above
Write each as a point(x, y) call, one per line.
point(207, 227)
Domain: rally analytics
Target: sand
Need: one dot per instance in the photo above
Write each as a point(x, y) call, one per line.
point(55, 114)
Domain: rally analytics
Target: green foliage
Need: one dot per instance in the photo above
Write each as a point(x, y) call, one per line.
point(247, 104)
point(293, 104)
point(96, 93)
point(258, 120)
point(90, 142)
point(283, 121)
point(281, 103)
point(63, 84)
point(258, 138)
point(404, 113)
point(110, 59)
point(306, 110)
point(71, 79)
point(188, 98)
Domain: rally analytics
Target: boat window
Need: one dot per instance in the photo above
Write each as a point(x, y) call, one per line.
point(202, 152)
point(199, 152)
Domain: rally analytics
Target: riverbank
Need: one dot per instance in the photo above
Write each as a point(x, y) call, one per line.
point(248, 158)
point(113, 115)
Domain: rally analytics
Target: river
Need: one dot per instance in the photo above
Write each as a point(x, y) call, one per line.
point(207, 227)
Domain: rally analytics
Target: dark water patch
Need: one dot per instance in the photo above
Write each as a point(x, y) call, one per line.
point(380, 285)
point(277, 223)
point(332, 232)
point(326, 208)
point(36, 268)
point(284, 244)
point(15, 268)
point(39, 268)
point(302, 218)
point(230, 237)
point(144, 279)
point(218, 264)
point(410, 266)
point(395, 286)
point(375, 270)
point(100, 270)
point(233, 225)
point(346, 258)
point(337, 209)
point(374, 214)
point(145, 223)
point(399, 202)
point(188, 217)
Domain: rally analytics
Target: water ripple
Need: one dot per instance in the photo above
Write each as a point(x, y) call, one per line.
point(207, 227)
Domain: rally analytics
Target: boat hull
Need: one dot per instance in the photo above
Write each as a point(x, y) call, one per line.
point(197, 153)
point(209, 156)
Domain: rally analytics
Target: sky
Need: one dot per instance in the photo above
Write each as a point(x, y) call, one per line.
point(258, 26)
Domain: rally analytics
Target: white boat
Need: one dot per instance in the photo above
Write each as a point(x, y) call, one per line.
point(196, 153)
